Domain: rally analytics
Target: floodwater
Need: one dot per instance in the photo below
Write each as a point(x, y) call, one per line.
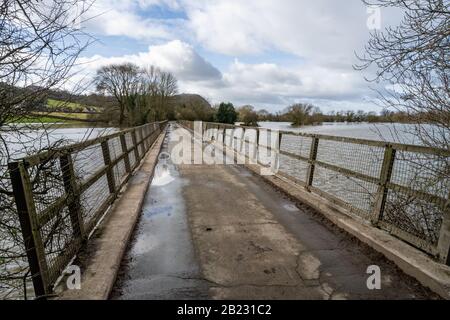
point(394, 132)
point(39, 139)
point(30, 140)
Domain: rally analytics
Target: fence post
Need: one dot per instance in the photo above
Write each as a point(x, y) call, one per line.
point(123, 142)
point(385, 177)
point(70, 187)
point(224, 137)
point(256, 155)
point(26, 210)
point(142, 141)
point(149, 134)
point(204, 129)
point(444, 235)
point(153, 133)
point(109, 171)
point(242, 140)
point(312, 159)
point(144, 138)
point(233, 140)
point(275, 165)
point(135, 145)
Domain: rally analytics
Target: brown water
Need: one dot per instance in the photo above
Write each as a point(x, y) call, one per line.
point(394, 132)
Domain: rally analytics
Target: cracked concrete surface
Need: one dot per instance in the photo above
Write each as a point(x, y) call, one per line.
point(253, 245)
point(233, 236)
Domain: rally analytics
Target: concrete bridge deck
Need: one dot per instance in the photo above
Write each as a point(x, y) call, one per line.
point(222, 232)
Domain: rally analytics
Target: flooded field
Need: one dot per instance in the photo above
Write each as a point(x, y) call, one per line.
point(394, 132)
point(30, 140)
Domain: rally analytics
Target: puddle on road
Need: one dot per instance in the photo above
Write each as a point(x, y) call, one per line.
point(163, 175)
point(162, 254)
point(291, 207)
point(158, 210)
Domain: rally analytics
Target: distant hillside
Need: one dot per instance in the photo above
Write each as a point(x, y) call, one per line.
point(66, 106)
point(192, 107)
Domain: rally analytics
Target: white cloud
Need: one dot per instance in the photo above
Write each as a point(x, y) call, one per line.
point(181, 59)
point(323, 35)
point(175, 56)
point(265, 85)
point(275, 87)
point(317, 30)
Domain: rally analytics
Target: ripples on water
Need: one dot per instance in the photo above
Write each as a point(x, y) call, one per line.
point(394, 132)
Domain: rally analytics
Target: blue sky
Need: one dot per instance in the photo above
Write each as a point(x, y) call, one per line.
point(261, 52)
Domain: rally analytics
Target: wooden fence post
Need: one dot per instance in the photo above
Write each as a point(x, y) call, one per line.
point(109, 171)
point(256, 154)
point(26, 210)
point(275, 164)
point(135, 145)
point(142, 141)
point(73, 196)
point(224, 137)
point(444, 235)
point(385, 177)
point(312, 159)
point(242, 140)
point(233, 140)
point(123, 143)
point(144, 138)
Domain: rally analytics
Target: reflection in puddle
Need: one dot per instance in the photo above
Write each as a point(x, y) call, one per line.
point(162, 175)
point(290, 207)
point(158, 210)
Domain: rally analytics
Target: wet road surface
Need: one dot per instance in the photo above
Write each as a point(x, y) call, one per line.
point(161, 262)
point(220, 232)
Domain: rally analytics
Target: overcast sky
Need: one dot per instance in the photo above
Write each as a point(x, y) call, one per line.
point(267, 53)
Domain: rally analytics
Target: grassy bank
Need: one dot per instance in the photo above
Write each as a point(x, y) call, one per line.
point(52, 103)
point(43, 119)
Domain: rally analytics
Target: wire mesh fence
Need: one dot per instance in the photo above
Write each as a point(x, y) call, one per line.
point(403, 189)
point(60, 195)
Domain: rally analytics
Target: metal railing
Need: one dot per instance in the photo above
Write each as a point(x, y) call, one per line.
point(62, 194)
point(403, 189)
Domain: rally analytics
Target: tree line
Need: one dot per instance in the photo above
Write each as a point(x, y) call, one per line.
point(301, 114)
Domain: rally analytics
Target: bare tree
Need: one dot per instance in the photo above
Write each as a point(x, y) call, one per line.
point(122, 82)
point(141, 94)
point(39, 43)
point(299, 113)
point(168, 87)
point(414, 58)
point(248, 116)
point(158, 88)
point(413, 61)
